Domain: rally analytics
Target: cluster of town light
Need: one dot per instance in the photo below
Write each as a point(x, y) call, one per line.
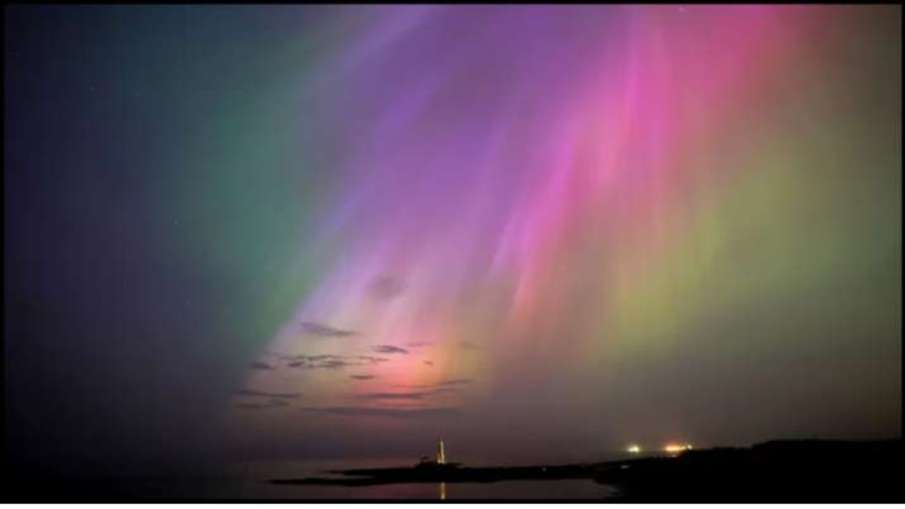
point(668, 448)
point(676, 448)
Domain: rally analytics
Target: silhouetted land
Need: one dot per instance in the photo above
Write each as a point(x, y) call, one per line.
point(778, 471)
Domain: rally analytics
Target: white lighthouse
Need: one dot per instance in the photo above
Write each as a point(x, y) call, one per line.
point(441, 454)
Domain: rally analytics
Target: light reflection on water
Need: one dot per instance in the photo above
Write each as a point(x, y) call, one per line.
point(247, 489)
point(250, 481)
point(583, 489)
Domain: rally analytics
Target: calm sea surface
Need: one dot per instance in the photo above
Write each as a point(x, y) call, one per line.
point(250, 481)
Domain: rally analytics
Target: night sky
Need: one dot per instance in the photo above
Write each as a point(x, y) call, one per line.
point(539, 233)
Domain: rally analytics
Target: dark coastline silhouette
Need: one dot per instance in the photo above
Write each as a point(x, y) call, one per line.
point(791, 471)
point(776, 471)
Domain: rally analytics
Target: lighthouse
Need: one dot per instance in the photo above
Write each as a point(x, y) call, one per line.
point(437, 462)
point(441, 454)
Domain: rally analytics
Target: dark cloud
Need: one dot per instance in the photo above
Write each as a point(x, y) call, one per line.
point(428, 363)
point(389, 349)
point(325, 331)
point(372, 360)
point(274, 399)
point(468, 345)
point(395, 395)
point(424, 391)
point(278, 358)
point(272, 395)
point(261, 365)
point(445, 386)
point(401, 413)
point(332, 364)
point(386, 287)
point(363, 377)
point(321, 361)
point(327, 361)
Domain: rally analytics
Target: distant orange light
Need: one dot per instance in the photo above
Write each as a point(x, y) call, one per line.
point(676, 448)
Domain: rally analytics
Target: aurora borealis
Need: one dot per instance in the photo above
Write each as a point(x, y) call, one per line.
point(535, 231)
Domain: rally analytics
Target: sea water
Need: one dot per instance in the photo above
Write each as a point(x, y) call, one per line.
point(251, 481)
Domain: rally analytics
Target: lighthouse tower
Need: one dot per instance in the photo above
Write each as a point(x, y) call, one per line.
point(441, 454)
